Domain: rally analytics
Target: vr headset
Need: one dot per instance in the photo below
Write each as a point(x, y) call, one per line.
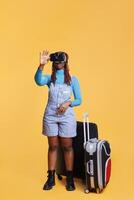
point(58, 56)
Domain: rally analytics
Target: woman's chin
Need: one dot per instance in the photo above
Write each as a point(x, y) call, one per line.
point(58, 68)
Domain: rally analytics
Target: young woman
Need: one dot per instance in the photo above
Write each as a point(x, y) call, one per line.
point(59, 121)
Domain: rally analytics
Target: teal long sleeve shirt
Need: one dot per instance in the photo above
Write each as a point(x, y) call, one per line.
point(45, 79)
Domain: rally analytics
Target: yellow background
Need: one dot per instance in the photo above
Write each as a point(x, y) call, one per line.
point(99, 38)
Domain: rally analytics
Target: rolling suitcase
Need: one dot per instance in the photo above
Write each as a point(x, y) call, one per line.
point(97, 161)
point(79, 167)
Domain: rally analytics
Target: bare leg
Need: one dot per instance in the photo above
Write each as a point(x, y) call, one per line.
point(66, 144)
point(52, 152)
point(52, 158)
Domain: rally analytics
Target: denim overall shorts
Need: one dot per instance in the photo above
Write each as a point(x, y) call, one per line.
point(63, 125)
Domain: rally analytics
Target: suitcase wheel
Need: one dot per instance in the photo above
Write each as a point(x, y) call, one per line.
point(98, 190)
point(86, 191)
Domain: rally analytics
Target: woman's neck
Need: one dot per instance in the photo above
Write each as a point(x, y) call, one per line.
point(60, 71)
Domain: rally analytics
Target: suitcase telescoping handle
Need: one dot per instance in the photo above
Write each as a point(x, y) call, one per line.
point(86, 123)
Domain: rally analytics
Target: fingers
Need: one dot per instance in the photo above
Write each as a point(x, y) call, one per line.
point(44, 56)
point(45, 52)
point(61, 110)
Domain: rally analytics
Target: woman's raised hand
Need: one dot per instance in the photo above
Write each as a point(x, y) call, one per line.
point(44, 57)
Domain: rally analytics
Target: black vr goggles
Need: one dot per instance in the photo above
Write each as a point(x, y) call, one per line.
point(58, 56)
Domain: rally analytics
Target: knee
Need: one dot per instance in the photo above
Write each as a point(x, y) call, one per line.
point(53, 148)
point(67, 148)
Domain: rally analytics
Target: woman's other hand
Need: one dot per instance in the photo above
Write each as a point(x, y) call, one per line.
point(63, 107)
